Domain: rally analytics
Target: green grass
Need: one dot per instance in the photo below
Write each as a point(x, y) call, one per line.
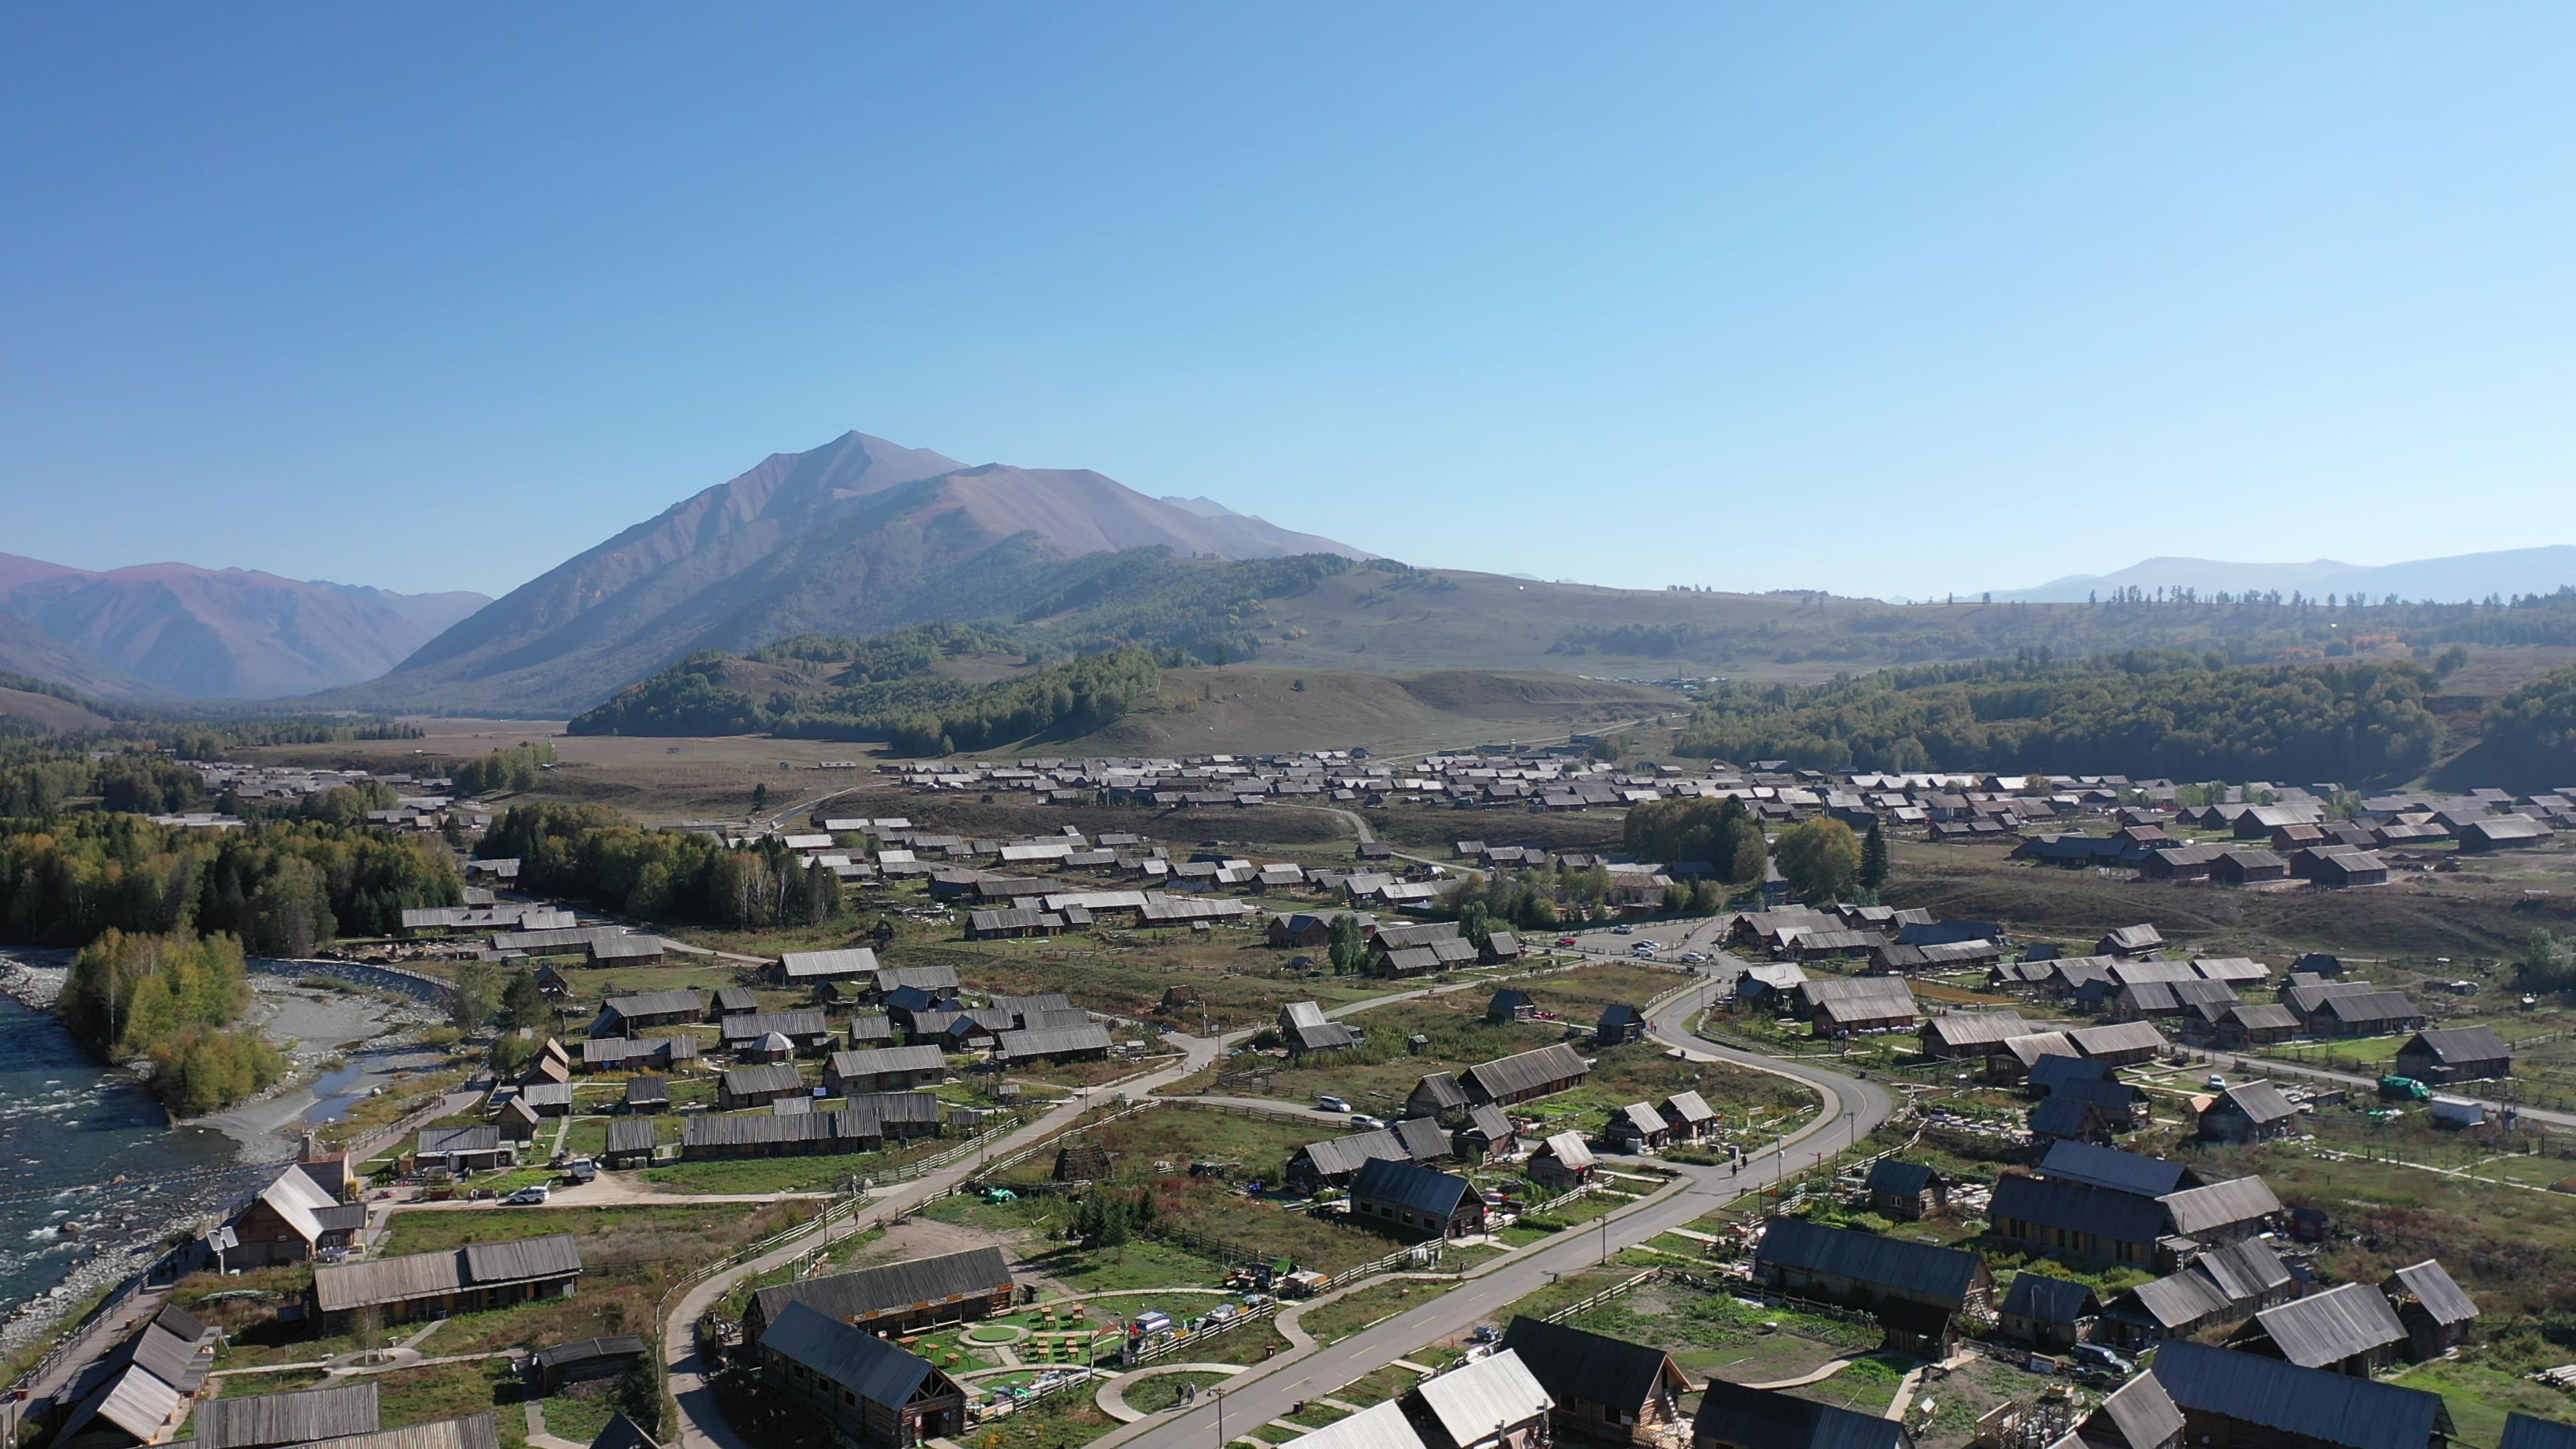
point(753, 1175)
point(579, 1419)
point(624, 1230)
point(1164, 1390)
point(2481, 1396)
point(446, 1391)
point(1364, 1306)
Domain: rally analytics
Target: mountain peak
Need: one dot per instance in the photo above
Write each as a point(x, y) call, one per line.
point(854, 536)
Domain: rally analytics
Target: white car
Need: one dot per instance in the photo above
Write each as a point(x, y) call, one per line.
point(527, 1197)
point(1696, 958)
point(1365, 1122)
point(1331, 1104)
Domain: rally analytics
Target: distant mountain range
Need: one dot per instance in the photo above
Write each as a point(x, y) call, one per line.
point(208, 633)
point(2452, 580)
point(853, 537)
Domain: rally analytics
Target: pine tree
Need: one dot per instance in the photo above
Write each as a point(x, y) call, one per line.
point(1873, 857)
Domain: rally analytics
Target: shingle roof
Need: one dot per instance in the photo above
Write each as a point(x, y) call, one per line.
point(1771, 1419)
point(823, 965)
point(301, 1417)
point(2053, 1202)
point(1904, 1179)
point(2313, 1404)
point(851, 1358)
point(1525, 1071)
point(1414, 1139)
point(1575, 1363)
point(2521, 1431)
point(2261, 1102)
point(2143, 1414)
point(1869, 1258)
point(1402, 1183)
point(2430, 1284)
point(339, 1286)
point(776, 1077)
point(975, 1272)
point(2450, 1044)
point(2109, 1167)
point(2324, 1329)
point(2046, 1299)
point(2221, 1204)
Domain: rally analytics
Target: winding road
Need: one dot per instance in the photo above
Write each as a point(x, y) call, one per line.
point(1853, 1108)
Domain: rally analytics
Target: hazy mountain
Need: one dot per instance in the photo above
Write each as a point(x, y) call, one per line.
point(852, 537)
point(2439, 580)
point(28, 650)
point(223, 633)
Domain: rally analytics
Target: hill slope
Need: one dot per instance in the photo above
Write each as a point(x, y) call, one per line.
point(2446, 580)
point(223, 633)
point(28, 650)
point(856, 536)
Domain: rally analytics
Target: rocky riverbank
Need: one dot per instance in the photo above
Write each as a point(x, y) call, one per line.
point(106, 1181)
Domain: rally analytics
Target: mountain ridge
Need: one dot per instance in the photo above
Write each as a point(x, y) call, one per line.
point(2455, 578)
point(222, 633)
point(858, 534)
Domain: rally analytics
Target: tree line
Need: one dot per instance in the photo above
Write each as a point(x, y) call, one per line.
point(2145, 713)
point(282, 887)
point(589, 854)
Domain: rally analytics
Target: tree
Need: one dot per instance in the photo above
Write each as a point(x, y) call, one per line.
point(822, 894)
point(639, 1394)
point(1750, 861)
point(477, 992)
point(290, 912)
point(1820, 858)
point(760, 797)
point(1476, 923)
point(1873, 857)
point(523, 1003)
point(1348, 947)
point(2546, 965)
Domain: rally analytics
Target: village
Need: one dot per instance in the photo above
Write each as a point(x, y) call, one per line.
point(1963, 1164)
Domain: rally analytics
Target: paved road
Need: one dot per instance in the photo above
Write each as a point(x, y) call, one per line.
point(702, 1424)
point(1853, 1108)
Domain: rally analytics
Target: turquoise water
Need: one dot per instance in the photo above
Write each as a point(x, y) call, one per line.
point(88, 1163)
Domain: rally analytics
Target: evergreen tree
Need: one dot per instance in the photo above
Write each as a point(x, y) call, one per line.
point(1873, 857)
point(523, 1003)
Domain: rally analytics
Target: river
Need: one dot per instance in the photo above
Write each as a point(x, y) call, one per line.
point(70, 1129)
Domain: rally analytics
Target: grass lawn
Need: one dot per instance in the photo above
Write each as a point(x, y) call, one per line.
point(1362, 1307)
point(2480, 1396)
point(580, 1419)
point(610, 1234)
point(1378, 1386)
point(1164, 1390)
point(1864, 1386)
point(450, 1390)
point(1180, 1135)
point(1060, 1422)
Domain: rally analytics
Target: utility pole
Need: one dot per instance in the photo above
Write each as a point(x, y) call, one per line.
point(1219, 1396)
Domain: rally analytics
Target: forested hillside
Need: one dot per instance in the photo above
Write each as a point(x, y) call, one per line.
point(889, 689)
point(2147, 713)
point(2530, 736)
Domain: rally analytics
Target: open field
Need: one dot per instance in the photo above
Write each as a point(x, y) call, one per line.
point(1264, 708)
point(2481, 910)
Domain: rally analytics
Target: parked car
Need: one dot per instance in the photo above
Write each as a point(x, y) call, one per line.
point(1331, 1104)
point(1365, 1122)
point(2100, 1357)
point(584, 1170)
point(1567, 941)
point(1696, 958)
point(527, 1197)
point(1623, 929)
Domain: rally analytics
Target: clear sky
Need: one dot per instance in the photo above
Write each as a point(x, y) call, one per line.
point(1879, 298)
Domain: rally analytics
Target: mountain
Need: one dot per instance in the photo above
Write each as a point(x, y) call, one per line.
point(222, 633)
point(2457, 579)
point(28, 650)
point(853, 537)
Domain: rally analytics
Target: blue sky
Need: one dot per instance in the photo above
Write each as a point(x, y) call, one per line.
point(1883, 299)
